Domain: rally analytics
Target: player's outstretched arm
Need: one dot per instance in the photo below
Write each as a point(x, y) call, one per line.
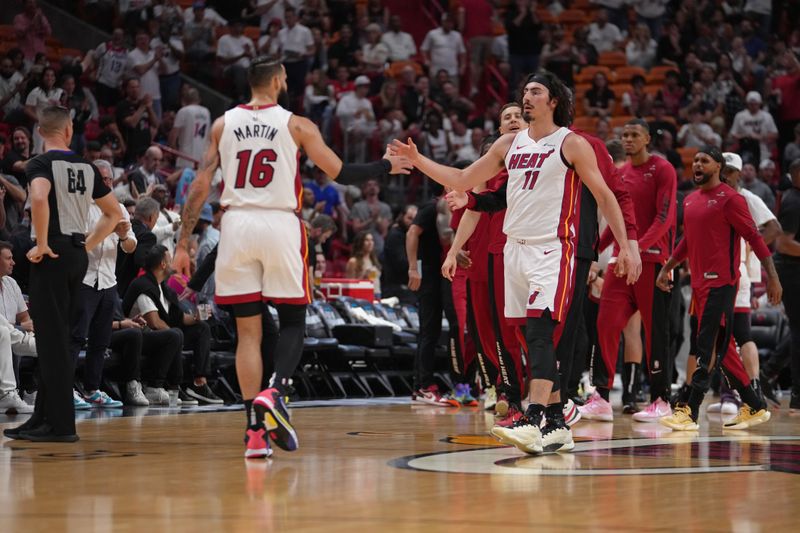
point(580, 154)
point(198, 192)
point(461, 180)
point(307, 136)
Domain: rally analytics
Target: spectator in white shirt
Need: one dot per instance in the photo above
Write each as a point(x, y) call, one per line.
point(374, 53)
point(443, 49)
point(45, 94)
point(697, 133)
point(754, 126)
point(603, 35)
point(12, 84)
point(209, 14)
point(357, 117)
point(269, 10)
point(13, 341)
point(472, 151)
point(642, 48)
point(297, 44)
point(235, 51)
point(144, 62)
point(169, 222)
point(97, 297)
point(400, 44)
point(269, 44)
point(191, 130)
point(169, 68)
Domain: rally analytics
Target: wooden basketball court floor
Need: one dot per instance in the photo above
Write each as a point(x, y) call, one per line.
point(388, 465)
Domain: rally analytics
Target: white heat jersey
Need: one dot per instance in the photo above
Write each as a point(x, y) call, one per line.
point(542, 192)
point(259, 159)
point(194, 124)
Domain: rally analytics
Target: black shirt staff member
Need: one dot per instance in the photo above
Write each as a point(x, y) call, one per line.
point(62, 186)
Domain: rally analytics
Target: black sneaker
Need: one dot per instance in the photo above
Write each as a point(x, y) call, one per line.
point(768, 390)
point(203, 394)
point(184, 399)
point(630, 408)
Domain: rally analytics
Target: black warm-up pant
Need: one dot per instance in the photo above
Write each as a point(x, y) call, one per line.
point(435, 296)
point(53, 291)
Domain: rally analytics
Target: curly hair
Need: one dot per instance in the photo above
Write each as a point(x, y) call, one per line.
point(359, 252)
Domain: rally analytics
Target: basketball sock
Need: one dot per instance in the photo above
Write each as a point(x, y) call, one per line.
point(249, 413)
point(554, 412)
point(603, 393)
point(629, 373)
point(534, 413)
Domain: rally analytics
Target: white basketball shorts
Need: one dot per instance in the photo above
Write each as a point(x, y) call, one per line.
point(538, 277)
point(262, 257)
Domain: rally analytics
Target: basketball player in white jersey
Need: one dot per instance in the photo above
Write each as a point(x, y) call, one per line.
point(262, 248)
point(191, 130)
point(542, 196)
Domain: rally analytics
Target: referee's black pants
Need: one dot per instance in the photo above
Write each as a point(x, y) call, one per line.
point(53, 291)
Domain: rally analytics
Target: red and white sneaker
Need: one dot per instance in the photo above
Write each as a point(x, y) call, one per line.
point(513, 415)
point(256, 443)
point(654, 411)
point(597, 409)
point(571, 413)
point(430, 395)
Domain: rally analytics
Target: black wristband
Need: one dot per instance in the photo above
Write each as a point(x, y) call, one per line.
point(365, 171)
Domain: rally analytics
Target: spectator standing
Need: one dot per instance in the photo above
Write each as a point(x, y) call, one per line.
point(43, 95)
point(443, 49)
point(604, 35)
point(524, 45)
point(12, 85)
point(642, 48)
point(399, 43)
point(95, 303)
point(357, 118)
point(111, 60)
point(755, 130)
point(144, 61)
point(169, 222)
point(169, 68)
point(190, 133)
point(372, 215)
point(297, 44)
point(235, 51)
point(136, 119)
point(475, 22)
point(32, 29)
point(394, 277)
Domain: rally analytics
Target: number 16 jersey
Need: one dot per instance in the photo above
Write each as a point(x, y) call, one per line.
point(259, 159)
point(543, 192)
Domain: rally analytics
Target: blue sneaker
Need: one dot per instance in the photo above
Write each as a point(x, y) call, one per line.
point(79, 402)
point(101, 399)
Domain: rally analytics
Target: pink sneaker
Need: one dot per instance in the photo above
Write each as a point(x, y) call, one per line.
point(597, 409)
point(653, 412)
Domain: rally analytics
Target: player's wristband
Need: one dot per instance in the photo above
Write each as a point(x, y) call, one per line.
point(365, 171)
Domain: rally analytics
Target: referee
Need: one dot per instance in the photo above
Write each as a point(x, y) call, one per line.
point(62, 187)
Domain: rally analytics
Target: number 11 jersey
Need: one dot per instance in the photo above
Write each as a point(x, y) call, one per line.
point(259, 159)
point(543, 191)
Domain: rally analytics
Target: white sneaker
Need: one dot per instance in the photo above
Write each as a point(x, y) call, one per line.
point(653, 412)
point(156, 395)
point(557, 439)
point(134, 395)
point(11, 403)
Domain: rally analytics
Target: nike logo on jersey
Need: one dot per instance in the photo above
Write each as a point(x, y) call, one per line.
point(549, 252)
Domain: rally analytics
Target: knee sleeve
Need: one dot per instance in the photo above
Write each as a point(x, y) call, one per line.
point(539, 337)
point(291, 315)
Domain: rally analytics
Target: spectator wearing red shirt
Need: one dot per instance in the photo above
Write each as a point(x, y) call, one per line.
point(715, 216)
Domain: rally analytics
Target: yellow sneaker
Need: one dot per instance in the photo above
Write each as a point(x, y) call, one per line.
point(747, 418)
point(680, 419)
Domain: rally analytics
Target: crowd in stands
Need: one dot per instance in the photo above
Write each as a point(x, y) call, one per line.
point(700, 72)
